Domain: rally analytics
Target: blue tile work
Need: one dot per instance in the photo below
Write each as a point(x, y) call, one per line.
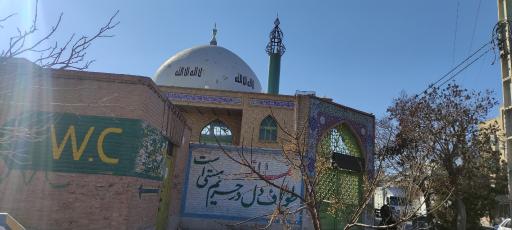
point(272, 103)
point(324, 115)
point(204, 98)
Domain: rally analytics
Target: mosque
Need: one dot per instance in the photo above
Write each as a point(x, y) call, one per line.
point(89, 150)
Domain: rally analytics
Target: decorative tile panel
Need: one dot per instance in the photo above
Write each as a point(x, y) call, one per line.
point(204, 98)
point(272, 103)
point(324, 115)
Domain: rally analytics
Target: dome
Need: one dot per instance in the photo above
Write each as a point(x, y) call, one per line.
point(208, 66)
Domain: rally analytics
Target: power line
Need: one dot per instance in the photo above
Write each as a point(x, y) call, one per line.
point(458, 72)
point(455, 32)
point(461, 63)
point(475, 24)
point(459, 69)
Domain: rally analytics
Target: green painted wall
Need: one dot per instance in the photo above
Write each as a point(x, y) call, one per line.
point(65, 142)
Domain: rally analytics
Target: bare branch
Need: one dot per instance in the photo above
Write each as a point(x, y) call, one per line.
point(246, 163)
point(2, 20)
point(72, 55)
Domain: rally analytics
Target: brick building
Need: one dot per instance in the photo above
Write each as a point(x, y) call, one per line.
point(86, 150)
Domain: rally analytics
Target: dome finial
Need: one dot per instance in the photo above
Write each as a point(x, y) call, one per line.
point(213, 42)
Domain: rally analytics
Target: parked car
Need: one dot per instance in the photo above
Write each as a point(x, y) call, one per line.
point(506, 224)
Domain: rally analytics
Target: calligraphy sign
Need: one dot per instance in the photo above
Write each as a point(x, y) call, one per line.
point(189, 71)
point(220, 188)
point(65, 142)
point(244, 80)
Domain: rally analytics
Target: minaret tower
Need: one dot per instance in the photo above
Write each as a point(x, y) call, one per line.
point(275, 49)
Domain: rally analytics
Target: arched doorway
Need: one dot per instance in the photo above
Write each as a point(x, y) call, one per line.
point(339, 165)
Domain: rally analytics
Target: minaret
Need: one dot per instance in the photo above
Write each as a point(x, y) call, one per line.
point(275, 49)
point(213, 42)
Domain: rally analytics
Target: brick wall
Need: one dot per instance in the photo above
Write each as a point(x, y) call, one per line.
point(198, 121)
point(250, 109)
point(77, 201)
point(49, 199)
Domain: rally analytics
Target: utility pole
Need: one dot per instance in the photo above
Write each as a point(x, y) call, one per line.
point(503, 30)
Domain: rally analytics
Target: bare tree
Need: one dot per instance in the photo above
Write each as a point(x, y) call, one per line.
point(70, 54)
point(405, 161)
point(441, 130)
point(294, 152)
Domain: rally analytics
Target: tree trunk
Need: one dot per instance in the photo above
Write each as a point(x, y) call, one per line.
point(461, 214)
point(315, 217)
point(428, 207)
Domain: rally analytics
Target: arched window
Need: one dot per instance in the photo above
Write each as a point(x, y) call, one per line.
point(268, 130)
point(216, 130)
point(339, 166)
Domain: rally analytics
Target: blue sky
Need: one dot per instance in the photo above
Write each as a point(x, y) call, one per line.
point(360, 53)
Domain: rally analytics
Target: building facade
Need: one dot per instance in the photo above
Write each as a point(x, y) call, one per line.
point(244, 118)
point(502, 209)
point(86, 150)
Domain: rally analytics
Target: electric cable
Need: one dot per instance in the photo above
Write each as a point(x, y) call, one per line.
point(475, 24)
point(459, 65)
point(458, 72)
point(455, 32)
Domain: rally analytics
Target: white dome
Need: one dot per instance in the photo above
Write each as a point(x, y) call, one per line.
point(209, 66)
